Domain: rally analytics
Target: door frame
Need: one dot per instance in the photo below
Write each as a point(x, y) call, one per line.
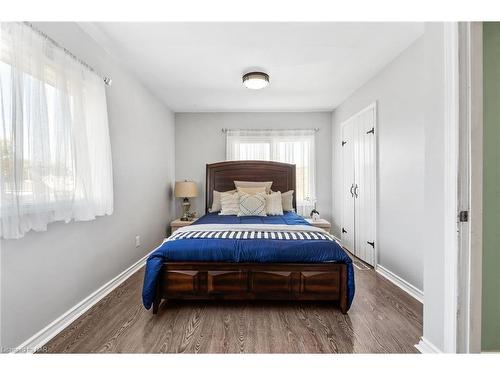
point(463, 119)
point(373, 105)
point(451, 167)
point(470, 187)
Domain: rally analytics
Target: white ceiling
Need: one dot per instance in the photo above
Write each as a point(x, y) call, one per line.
point(197, 67)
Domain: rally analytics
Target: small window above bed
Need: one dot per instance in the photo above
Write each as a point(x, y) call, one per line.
point(287, 146)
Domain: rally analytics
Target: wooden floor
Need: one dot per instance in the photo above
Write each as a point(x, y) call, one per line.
point(383, 319)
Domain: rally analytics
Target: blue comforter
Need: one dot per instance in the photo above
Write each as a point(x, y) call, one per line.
point(245, 250)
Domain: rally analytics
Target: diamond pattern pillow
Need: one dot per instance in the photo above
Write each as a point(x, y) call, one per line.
point(252, 204)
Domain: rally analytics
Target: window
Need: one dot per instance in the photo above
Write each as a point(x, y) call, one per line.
point(54, 144)
point(287, 146)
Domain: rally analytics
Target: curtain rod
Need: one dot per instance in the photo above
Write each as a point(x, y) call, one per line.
point(225, 130)
point(107, 80)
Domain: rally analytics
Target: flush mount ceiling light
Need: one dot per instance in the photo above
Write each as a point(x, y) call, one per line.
point(255, 80)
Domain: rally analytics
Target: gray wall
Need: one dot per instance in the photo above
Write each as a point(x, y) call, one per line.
point(410, 96)
point(399, 93)
point(433, 225)
point(45, 274)
point(199, 140)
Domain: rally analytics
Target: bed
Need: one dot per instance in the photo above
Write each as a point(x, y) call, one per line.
point(228, 257)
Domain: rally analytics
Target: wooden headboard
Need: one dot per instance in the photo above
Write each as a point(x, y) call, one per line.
point(220, 176)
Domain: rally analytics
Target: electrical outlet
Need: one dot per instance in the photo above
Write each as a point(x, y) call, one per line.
point(137, 241)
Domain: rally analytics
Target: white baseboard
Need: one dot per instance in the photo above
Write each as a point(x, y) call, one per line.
point(403, 284)
point(426, 347)
point(43, 336)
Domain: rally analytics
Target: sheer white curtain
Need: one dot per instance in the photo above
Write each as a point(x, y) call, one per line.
point(55, 150)
point(288, 146)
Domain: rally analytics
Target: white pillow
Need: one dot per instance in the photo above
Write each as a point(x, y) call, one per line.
point(251, 190)
point(287, 200)
point(230, 203)
point(252, 204)
point(253, 184)
point(274, 206)
point(216, 206)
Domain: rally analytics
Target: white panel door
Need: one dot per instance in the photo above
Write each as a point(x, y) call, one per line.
point(348, 228)
point(364, 180)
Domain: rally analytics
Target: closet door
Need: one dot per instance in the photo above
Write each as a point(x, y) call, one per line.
point(364, 180)
point(348, 186)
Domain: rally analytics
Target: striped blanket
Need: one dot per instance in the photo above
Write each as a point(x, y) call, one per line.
point(255, 231)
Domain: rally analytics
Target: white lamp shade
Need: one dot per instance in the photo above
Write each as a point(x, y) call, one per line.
point(185, 189)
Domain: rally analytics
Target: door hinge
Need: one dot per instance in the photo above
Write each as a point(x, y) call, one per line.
point(372, 244)
point(343, 143)
point(372, 131)
point(343, 230)
point(463, 216)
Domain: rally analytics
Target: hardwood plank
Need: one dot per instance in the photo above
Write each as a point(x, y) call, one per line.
point(383, 319)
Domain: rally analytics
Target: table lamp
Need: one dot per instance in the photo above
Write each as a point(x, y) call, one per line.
point(185, 189)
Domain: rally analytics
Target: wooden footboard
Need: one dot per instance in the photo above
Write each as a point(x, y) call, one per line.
point(241, 281)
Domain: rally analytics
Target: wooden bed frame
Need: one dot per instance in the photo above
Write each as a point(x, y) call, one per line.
point(237, 281)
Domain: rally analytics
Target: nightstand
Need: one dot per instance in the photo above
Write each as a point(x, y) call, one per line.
point(178, 223)
point(321, 223)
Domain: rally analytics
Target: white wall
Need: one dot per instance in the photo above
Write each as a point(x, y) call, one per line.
point(400, 95)
point(410, 97)
point(46, 273)
point(434, 186)
point(199, 140)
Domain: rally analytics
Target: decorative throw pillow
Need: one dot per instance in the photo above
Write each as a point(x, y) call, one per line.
point(253, 184)
point(251, 190)
point(229, 203)
point(216, 206)
point(252, 204)
point(274, 206)
point(287, 200)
